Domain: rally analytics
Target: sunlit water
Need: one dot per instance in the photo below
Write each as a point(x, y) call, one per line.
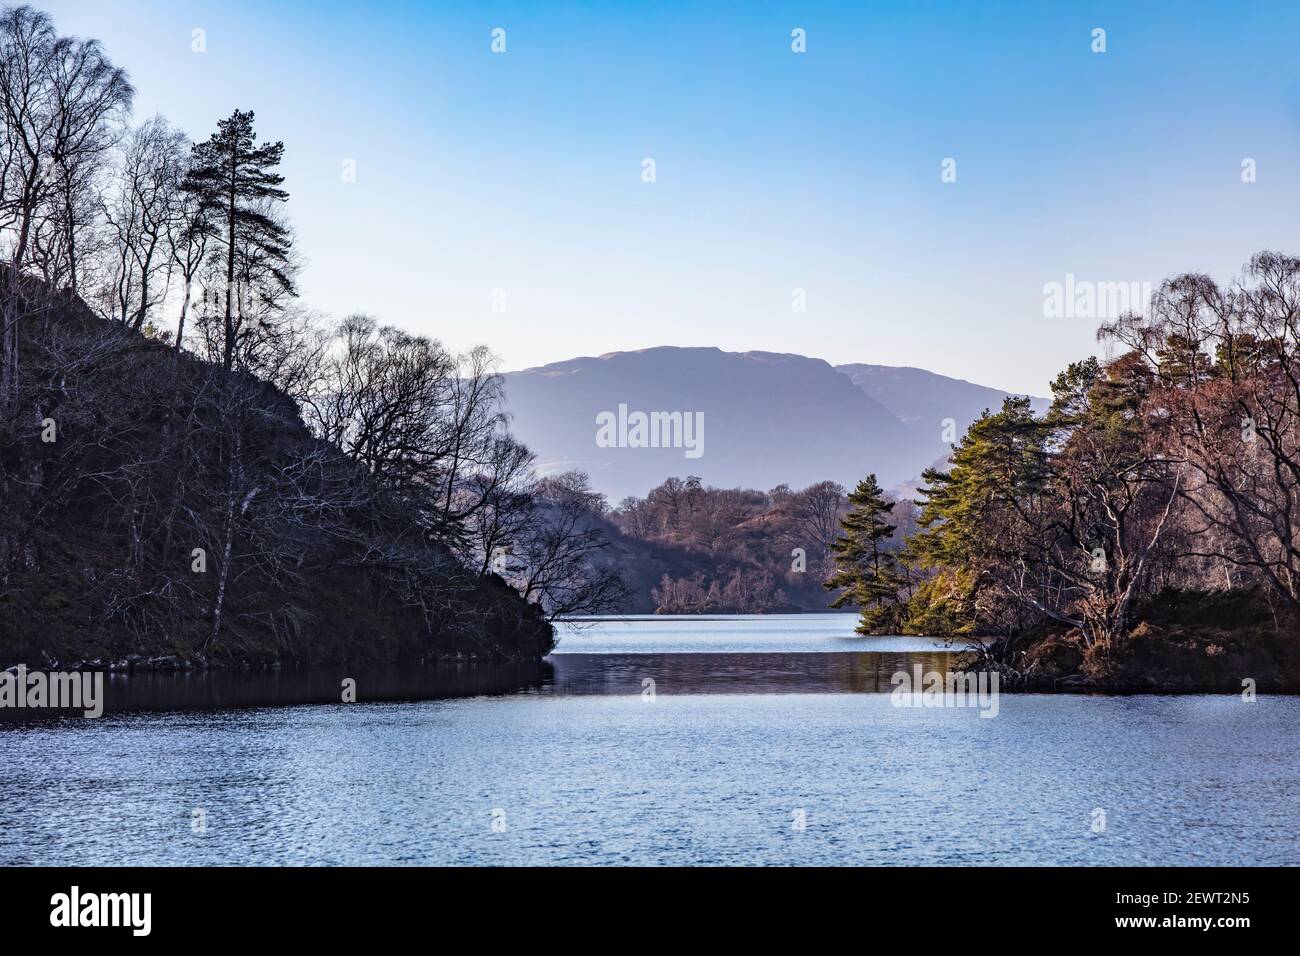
point(739, 633)
point(721, 762)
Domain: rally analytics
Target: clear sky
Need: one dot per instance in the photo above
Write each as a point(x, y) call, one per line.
point(775, 171)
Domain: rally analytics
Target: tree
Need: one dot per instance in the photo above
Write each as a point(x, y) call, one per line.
point(237, 190)
point(1062, 520)
point(27, 41)
point(982, 545)
point(420, 419)
point(1115, 488)
point(1225, 364)
point(429, 428)
point(187, 243)
point(379, 397)
point(866, 574)
point(466, 455)
point(91, 99)
point(556, 559)
point(59, 102)
point(813, 518)
point(237, 187)
point(142, 212)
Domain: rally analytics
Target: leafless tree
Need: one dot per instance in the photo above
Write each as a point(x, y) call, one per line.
point(556, 560)
point(1227, 366)
point(143, 210)
point(92, 99)
point(814, 518)
point(187, 244)
point(60, 101)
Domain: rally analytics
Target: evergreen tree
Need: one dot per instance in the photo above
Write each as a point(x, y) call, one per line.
point(236, 184)
point(865, 573)
point(982, 514)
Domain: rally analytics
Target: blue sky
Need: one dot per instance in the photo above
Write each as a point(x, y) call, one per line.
point(775, 171)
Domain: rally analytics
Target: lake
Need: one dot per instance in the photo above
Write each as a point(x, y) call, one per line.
point(757, 741)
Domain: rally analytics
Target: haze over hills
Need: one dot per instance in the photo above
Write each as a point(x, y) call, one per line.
point(768, 418)
point(922, 399)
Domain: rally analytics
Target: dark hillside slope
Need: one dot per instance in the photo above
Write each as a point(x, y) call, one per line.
point(181, 515)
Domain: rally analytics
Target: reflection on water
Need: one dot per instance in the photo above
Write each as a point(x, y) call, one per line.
point(766, 654)
point(853, 673)
point(217, 690)
point(561, 675)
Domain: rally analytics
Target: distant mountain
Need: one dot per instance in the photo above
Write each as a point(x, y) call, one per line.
point(767, 418)
point(924, 399)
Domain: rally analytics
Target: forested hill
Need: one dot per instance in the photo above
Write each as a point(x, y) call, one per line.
point(154, 506)
point(195, 465)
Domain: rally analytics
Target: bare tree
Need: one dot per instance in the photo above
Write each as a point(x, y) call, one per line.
point(187, 243)
point(814, 518)
point(142, 211)
point(27, 40)
point(60, 99)
point(468, 426)
point(557, 559)
point(380, 398)
point(1227, 367)
point(91, 99)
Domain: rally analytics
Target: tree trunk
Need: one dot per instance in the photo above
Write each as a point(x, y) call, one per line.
point(229, 357)
point(223, 577)
point(72, 233)
point(185, 307)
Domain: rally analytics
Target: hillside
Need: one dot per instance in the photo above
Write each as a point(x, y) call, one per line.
point(922, 400)
point(154, 510)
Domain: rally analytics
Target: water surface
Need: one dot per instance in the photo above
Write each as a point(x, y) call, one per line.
point(736, 633)
point(764, 756)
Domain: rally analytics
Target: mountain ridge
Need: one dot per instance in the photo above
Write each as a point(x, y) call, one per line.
point(770, 417)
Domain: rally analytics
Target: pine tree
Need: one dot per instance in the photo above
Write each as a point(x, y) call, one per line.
point(980, 513)
point(236, 184)
point(866, 574)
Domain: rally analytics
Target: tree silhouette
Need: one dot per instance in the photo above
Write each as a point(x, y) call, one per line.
point(237, 185)
point(865, 573)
